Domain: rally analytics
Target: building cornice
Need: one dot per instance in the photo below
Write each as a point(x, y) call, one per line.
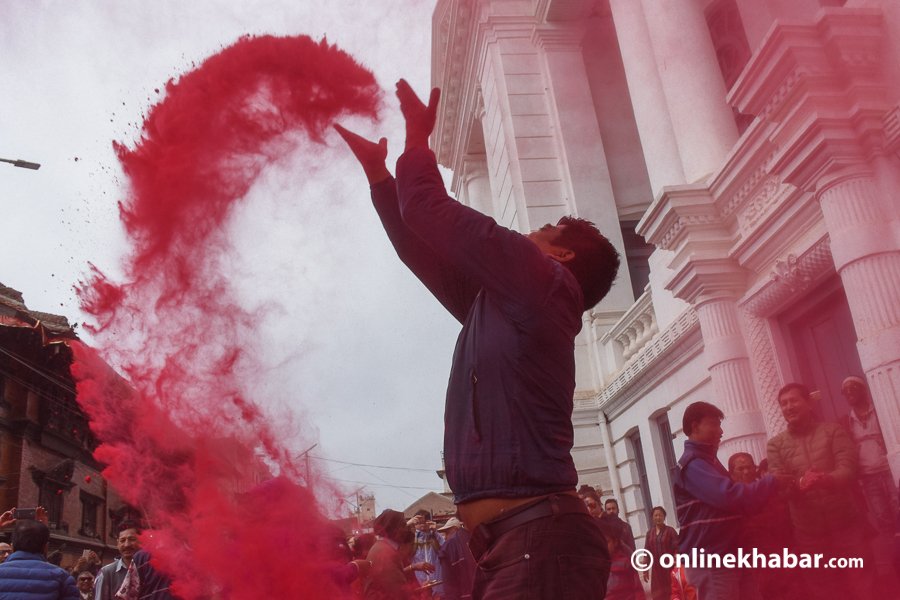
point(819, 92)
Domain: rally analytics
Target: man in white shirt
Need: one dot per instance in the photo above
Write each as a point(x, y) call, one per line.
point(112, 576)
point(878, 485)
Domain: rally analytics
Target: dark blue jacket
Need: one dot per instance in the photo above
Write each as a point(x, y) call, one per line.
point(508, 414)
point(710, 505)
point(27, 576)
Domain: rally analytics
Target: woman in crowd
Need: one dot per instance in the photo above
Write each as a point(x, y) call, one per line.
point(660, 540)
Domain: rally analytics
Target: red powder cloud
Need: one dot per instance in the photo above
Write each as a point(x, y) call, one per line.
point(180, 430)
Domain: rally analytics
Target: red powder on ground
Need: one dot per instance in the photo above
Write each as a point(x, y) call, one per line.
point(183, 438)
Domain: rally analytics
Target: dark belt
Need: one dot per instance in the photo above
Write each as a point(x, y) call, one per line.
point(549, 506)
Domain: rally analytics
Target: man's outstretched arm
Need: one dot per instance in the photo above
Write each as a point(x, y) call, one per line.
point(453, 290)
point(497, 258)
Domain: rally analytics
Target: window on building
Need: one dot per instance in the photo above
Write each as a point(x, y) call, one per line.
point(90, 506)
point(637, 256)
point(668, 448)
point(51, 498)
point(53, 485)
point(637, 447)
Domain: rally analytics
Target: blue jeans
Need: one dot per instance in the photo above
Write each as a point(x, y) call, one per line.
point(560, 557)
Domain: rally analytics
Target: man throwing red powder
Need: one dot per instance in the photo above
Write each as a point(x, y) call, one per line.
point(508, 415)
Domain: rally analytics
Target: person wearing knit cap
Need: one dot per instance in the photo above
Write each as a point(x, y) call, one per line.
point(878, 485)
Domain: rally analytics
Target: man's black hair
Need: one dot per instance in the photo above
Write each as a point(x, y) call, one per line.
point(793, 386)
point(660, 509)
point(698, 411)
point(30, 536)
point(126, 525)
point(390, 524)
point(596, 261)
point(587, 491)
point(613, 500)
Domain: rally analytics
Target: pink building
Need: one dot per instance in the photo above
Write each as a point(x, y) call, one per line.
point(754, 145)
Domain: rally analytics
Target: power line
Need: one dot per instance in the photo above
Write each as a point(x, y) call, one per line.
point(343, 462)
point(400, 487)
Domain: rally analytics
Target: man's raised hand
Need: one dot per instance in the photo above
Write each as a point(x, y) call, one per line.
point(370, 155)
point(419, 118)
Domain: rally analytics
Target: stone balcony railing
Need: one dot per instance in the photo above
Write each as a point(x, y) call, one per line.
point(634, 330)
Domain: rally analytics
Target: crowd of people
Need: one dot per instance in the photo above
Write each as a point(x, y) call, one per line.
point(28, 571)
point(823, 489)
point(413, 559)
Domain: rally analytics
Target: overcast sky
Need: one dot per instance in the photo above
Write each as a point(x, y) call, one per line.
point(354, 340)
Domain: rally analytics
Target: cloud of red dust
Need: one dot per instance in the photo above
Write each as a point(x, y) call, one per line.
point(181, 434)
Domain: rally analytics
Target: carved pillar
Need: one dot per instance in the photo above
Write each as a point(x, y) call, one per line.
point(684, 219)
point(864, 244)
point(762, 357)
point(713, 290)
point(476, 185)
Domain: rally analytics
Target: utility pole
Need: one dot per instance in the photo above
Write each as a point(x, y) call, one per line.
point(305, 454)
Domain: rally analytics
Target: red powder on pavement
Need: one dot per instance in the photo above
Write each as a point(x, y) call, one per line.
point(182, 435)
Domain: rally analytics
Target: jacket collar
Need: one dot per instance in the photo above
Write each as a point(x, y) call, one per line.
point(22, 555)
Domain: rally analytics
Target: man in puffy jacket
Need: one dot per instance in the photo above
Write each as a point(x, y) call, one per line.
point(825, 513)
point(711, 506)
point(26, 574)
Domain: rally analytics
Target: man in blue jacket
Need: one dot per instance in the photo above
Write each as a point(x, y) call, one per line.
point(711, 506)
point(26, 574)
point(508, 413)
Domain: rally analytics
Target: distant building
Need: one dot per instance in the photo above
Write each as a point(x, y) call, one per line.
point(742, 155)
point(45, 441)
point(440, 506)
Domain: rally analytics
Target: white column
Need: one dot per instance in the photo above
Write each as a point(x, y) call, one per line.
point(476, 184)
point(865, 244)
point(732, 378)
point(585, 173)
point(647, 97)
point(695, 93)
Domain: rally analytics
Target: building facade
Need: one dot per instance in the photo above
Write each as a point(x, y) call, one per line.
point(46, 444)
point(742, 155)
